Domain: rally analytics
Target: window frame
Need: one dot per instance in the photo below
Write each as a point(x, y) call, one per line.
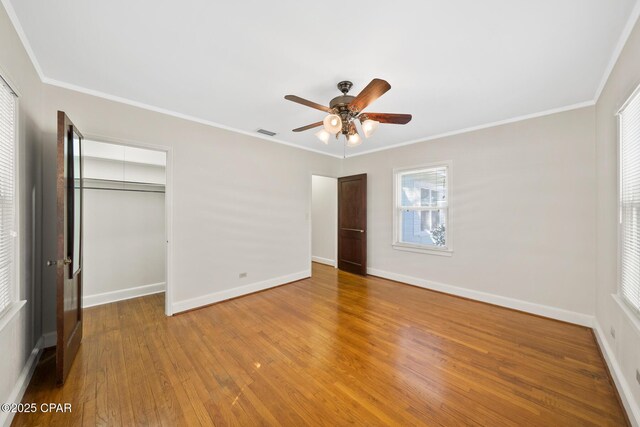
point(15, 300)
point(397, 218)
point(619, 296)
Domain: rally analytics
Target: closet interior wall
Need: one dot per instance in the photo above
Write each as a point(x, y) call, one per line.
point(124, 222)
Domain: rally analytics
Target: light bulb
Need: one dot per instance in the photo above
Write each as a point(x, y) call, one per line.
point(369, 127)
point(332, 123)
point(323, 136)
point(354, 140)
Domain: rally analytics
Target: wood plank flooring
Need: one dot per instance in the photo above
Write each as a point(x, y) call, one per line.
point(336, 349)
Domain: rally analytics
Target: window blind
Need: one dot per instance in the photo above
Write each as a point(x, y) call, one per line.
point(630, 201)
point(7, 193)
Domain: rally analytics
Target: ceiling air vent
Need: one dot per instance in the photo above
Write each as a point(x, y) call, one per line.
point(266, 132)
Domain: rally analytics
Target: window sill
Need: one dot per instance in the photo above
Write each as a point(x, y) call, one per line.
point(422, 249)
point(633, 317)
point(10, 313)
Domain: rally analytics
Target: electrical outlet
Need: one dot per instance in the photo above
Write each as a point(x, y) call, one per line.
point(638, 376)
point(613, 332)
point(242, 275)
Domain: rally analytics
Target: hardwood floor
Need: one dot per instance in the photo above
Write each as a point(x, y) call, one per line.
point(333, 350)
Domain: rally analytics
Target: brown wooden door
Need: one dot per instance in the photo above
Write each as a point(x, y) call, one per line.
point(69, 246)
point(352, 224)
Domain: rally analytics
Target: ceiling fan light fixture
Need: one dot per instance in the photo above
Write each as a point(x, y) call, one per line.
point(323, 136)
point(332, 123)
point(345, 110)
point(369, 127)
point(353, 140)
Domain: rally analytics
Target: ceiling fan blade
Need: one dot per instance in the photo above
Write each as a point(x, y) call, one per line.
point(307, 127)
point(373, 91)
point(308, 103)
point(395, 119)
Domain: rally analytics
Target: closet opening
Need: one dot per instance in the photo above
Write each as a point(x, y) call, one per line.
point(324, 220)
point(125, 237)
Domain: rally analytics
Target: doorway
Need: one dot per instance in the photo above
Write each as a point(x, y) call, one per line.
point(324, 220)
point(125, 222)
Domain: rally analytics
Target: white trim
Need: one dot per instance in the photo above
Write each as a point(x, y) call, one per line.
point(4, 75)
point(238, 291)
point(310, 221)
point(321, 260)
point(16, 24)
point(53, 82)
point(516, 304)
point(624, 36)
point(123, 294)
point(425, 249)
point(628, 100)
point(632, 315)
point(619, 225)
point(168, 228)
point(22, 36)
point(49, 339)
point(22, 383)
point(482, 126)
point(16, 272)
point(168, 202)
point(142, 105)
point(626, 395)
point(17, 242)
point(11, 311)
point(194, 119)
point(422, 249)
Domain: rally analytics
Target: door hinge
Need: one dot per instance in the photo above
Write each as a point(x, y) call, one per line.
point(59, 263)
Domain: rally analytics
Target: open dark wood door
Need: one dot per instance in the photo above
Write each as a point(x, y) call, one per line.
point(69, 246)
point(352, 224)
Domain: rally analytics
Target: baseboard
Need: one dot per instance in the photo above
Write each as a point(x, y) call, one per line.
point(629, 403)
point(107, 297)
point(516, 304)
point(22, 383)
point(237, 291)
point(321, 260)
point(49, 339)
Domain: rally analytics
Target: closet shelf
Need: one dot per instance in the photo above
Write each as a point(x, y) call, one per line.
point(118, 185)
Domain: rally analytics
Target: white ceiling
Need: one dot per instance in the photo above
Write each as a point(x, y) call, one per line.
point(453, 65)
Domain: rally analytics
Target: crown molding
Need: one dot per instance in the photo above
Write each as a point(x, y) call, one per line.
point(142, 105)
point(482, 126)
point(53, 82)
point(23, 37)
point(615, 55)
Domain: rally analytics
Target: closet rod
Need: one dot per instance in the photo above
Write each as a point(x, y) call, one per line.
point(122, 181)
point(121, 189)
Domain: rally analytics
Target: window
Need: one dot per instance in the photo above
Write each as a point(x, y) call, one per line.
point(421, 212)
point(629, 134)
point(7, 195)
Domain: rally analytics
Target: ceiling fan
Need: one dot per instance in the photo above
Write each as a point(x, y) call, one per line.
point(345, 110)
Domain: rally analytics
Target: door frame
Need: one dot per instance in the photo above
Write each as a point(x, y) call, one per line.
point(168, 207)
point(310, 219)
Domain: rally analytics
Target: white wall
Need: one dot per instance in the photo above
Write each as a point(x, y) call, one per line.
point(625, 347)
point(21, 331)
point(240, 204)
point(324, 219)
point(524, 204)
point(124, 241)
point(522, 214)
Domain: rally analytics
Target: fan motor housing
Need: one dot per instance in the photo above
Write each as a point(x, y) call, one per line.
point(340, 105)
point(342, 100)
